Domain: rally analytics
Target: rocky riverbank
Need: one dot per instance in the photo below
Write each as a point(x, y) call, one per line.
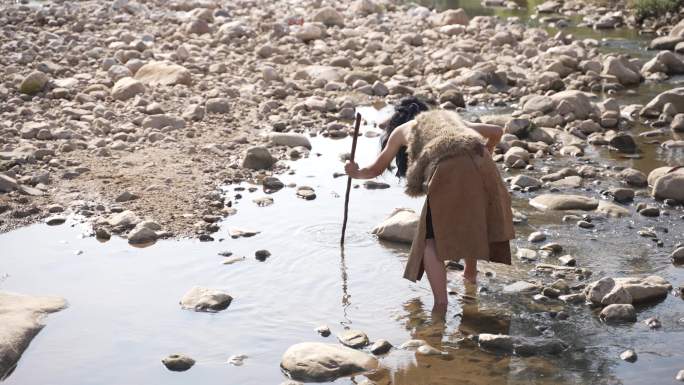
point(150, 107)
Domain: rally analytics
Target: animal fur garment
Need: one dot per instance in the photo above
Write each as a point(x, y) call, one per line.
point(437, 135)
point(470, 205)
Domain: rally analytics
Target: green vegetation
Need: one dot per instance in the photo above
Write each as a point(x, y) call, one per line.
point(654, 8)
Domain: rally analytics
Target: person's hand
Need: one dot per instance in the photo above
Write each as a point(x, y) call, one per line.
point(351, 169)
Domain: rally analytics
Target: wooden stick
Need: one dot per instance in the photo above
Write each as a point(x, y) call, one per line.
point(349, 179)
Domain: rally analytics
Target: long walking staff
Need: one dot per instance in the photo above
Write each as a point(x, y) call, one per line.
point(349, 179)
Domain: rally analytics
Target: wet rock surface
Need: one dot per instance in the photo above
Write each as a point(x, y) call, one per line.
point(205, 300)
point(22, 318)
point(178, 362)
point(312, 361)
point(400, 226)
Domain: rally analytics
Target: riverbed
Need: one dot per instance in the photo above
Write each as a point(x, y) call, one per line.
point(124, 317)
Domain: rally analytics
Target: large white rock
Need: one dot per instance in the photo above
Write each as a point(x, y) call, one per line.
point(126, 88)
point(319, 362)
point(563, 202)
point(646, 289)
point(666, 62)
point(619, 68)
point(125, 218)
point(500, 342)
point(655, 106)
point(670, 185)
point(451, 17)
point(515, 154)
point(308, 32)
point(520, 287)
point(21, 318)
point(329, 16)
point(7, 184)
point(619, 290)
point(33, 83)
point(365, 7)
point(579, 102)
point(618, 313)
point(400, 226)
point(320, 72)
point(205, 299)
point(289, 139)
point(162, 73)
point(160, 121)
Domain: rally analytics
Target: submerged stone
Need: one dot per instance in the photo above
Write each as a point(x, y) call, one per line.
point(564, 202)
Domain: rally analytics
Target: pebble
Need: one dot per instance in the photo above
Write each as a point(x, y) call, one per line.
point(567, 260)
point(373, 185)
point(537, 236)
point(102, 234)
point(585, 225)
point(323, 330)
point(262, 255)
point(232, 260)
point(237, 360)
point(628, 355)
point(54, 221)
point(306, 193)
point(178, 362)
point(353, 338)
point(650, 212)
point(653, 323)
point(380, 347)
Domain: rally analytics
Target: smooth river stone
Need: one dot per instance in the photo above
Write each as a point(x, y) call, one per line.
point(319, 362)
point(400, 226)
point(612, 210)
point(520, 287)
point(178, 362)
point(353, 338)
point(205, 299)
point(289, 139)
point(564, 202)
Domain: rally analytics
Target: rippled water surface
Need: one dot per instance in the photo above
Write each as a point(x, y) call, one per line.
point(123, 314)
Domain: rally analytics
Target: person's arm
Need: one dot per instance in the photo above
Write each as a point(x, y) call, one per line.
point(396, 140)
point(491, 132)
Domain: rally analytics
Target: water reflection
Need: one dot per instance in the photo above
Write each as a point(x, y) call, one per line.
point(465, 363)
point(346, 297)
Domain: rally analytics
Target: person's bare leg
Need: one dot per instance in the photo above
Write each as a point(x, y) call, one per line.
point(436, 274)
point(470, 272)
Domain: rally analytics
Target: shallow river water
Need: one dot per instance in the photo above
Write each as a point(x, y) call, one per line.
point(124, 316)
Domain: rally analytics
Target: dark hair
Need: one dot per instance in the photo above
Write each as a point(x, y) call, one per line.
point(405, 111)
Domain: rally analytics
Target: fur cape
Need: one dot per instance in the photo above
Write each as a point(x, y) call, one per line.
point(437, 135)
